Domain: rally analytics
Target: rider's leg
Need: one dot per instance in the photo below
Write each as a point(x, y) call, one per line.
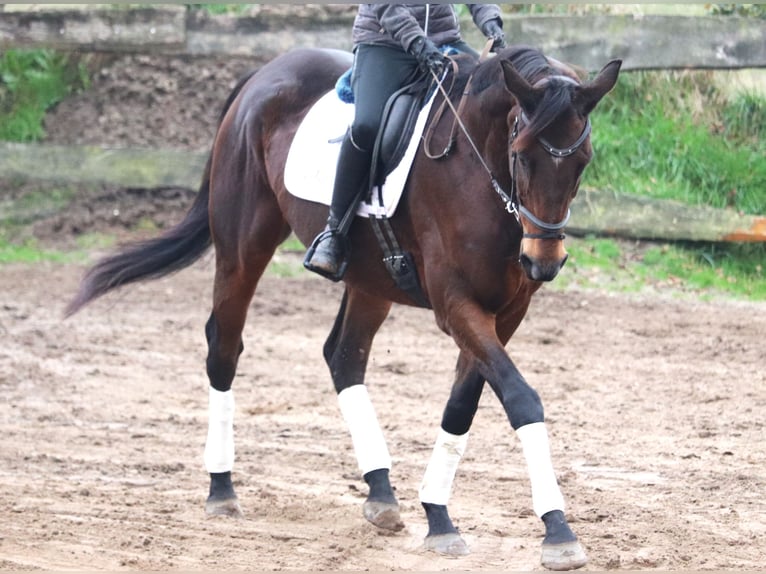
point(378, 72)
point(328, 253)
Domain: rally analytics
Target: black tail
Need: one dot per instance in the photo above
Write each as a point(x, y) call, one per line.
point(172, 251)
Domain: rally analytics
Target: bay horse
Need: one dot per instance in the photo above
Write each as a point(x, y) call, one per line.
point(484, 227)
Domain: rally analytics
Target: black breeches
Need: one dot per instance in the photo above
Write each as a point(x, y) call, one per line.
point(378, 72)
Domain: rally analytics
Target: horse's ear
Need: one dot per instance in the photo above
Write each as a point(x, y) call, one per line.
point(527, 96)
point(591, 93)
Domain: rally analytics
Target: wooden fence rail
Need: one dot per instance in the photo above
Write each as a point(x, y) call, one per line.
point(593, 212)
point(645, 42)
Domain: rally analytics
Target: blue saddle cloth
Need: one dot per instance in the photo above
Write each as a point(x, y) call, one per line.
point(343, 87)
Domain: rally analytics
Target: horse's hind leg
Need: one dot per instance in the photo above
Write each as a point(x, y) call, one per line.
point(232, 294)
point(245, 241)
point(346, 352)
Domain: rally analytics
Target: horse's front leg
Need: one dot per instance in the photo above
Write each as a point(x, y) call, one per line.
point(475, 331)
point(560, 549)
point(346, 352)
point(451, 441)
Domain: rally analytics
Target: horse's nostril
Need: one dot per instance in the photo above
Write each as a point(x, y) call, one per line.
point(526, 264)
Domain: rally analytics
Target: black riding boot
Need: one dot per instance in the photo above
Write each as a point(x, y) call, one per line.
point(328, 253)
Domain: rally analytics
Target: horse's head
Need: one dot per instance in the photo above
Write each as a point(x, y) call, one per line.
point(549, 149)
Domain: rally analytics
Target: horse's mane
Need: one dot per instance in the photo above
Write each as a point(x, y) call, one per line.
point(533, 66)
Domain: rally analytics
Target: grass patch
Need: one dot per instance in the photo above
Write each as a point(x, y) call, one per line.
point(233, 9)
point(95, 241)
point(31, 81)
point(285, 267)
point(30, 252)
point(33, 205)
point(673, 135)
point(731, 270)
point(735, 270)
point(288, 260)
point(292, 245)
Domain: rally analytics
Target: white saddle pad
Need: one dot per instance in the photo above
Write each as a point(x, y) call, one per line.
point(313, 156)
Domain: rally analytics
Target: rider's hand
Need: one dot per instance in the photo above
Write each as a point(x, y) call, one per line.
point(493, 30)
point(428, 55)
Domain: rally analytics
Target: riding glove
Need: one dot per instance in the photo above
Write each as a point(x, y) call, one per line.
point(493, 29)
point(428, 55)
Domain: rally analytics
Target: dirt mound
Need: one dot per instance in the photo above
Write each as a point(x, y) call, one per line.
point(148, 101)
point(133, 101)
point(116, 211)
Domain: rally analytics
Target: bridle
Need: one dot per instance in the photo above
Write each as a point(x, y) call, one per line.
point(512, 201)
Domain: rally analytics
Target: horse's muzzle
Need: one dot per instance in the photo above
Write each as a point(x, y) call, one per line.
point(537, 270)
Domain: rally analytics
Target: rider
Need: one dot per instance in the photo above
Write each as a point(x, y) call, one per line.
point(394, 44)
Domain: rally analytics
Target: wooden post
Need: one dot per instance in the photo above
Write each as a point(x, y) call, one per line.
point(638, 217)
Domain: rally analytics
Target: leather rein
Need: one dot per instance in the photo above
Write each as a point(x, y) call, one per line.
point(511, 201)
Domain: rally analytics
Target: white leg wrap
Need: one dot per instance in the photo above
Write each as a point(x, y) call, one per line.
point(366, 436)
point(219, 448)
point(546, 495)
point(440, 472)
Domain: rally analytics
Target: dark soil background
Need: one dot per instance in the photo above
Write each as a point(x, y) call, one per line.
point(145, 101)
point(134, 101)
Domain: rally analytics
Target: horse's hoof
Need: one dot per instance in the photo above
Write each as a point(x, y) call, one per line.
point(566, 556)
point(383, 515)
point(450, 544)
point(228, 507)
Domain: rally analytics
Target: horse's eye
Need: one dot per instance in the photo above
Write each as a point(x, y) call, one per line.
point(525, 162)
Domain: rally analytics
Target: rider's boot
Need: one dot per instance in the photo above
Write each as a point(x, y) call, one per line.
point(328, 253)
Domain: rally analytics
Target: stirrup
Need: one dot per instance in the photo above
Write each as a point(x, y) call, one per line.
point(343, 258)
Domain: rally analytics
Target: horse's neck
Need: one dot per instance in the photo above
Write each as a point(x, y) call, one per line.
point(486, 121)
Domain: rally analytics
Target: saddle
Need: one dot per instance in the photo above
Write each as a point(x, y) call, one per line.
point(399, 118)
point(400, 115)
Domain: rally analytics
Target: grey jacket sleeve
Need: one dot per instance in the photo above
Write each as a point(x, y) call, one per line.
point(483, 13)
point(398, 22)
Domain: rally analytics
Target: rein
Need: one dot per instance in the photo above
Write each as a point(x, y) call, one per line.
point(512, 201)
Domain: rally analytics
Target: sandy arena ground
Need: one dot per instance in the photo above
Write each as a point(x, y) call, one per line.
point(655, 408)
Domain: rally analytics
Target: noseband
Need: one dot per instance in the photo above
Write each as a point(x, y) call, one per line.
point(513, 203)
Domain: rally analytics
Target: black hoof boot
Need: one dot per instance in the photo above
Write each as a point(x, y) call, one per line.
point(327, 255)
